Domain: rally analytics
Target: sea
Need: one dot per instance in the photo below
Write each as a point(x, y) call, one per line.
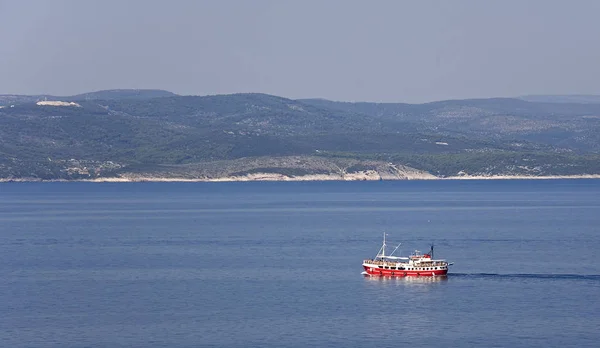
point(278, 264)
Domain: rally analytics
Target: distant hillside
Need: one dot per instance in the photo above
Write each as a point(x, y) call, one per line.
point(11, 99)
point(6, 100)
point(117, 132)
point(561, 125)
point(123, 94)
point(577, 99)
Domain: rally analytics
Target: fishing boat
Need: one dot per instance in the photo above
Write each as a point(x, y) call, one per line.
point(416, 265)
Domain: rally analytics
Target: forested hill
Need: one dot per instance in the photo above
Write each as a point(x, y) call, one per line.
point(110, 94)
point(110, 133)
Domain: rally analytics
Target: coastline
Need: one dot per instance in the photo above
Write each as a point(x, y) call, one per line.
point(265, 177)
point(522, 177)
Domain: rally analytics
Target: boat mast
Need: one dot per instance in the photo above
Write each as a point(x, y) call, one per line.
point(381, 252)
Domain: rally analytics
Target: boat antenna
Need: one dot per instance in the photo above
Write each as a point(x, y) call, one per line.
point(381, 252)
point(431, 250)
point(395, 249)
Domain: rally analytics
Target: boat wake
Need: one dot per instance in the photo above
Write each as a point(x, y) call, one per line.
point(595, 277)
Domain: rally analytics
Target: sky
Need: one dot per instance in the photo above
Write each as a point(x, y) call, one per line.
point(348, 50)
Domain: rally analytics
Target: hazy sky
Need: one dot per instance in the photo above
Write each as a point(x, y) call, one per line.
point(410, 51)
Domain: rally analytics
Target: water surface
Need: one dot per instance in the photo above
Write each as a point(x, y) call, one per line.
point(278, 264)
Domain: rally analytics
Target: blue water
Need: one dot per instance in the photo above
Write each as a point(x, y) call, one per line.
point(278, 264)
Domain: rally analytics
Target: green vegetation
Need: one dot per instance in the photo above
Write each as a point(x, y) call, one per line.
point(124, 130)
point(514, 163)
point(291, 172)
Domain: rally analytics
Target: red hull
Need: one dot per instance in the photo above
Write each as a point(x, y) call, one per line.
point(404, 273)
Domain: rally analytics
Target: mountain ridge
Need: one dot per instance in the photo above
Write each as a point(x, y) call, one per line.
point(96, 95)
point(129, 129)
point(563, 98)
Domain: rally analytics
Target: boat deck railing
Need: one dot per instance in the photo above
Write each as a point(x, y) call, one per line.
point(394, 264)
